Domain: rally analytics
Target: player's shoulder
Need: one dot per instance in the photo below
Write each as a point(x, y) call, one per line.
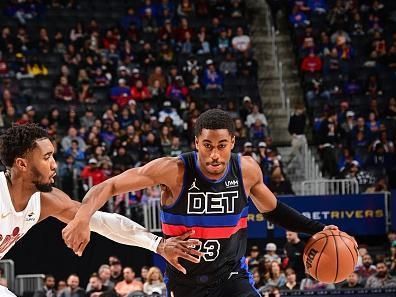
point(250, 168)
point(248, 162)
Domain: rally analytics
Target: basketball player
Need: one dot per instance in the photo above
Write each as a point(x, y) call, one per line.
point(27, 198)
point(206, 191)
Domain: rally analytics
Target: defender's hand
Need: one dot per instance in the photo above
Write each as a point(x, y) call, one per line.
point(76, 235)
point(178, 247)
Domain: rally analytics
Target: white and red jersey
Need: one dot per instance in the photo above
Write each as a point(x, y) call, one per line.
point(13, 224)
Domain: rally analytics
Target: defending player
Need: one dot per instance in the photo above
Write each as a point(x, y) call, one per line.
point(27, 197)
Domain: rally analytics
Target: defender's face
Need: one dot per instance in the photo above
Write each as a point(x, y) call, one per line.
point(42, 165)
point(214, 151)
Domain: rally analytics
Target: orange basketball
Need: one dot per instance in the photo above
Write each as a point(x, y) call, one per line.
point(330, 256)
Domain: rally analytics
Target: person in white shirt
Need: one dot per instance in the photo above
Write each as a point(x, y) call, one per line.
point(241, 42)
point(256, 115)
point(27, 197)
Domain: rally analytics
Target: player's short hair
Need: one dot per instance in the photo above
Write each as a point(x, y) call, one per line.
point(214, 119)
point(18, 140)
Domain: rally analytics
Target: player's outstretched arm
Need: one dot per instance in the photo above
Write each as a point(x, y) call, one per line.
point(274, 210)
point(160, 171)
point(121, 229)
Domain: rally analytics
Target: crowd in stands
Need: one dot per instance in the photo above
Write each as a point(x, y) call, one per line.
point(117, 90)
point(274, 271)
point(346, 51)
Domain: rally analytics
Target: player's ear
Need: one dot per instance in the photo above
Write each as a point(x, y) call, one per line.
point(21, 164)
point(196, 142)
point(232, 142)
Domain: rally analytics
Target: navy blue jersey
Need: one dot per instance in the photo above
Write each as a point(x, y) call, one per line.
point(217, 211)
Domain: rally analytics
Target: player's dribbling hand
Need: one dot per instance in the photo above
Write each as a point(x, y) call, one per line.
point(330, 227)
point(180, 247)
point(76, 236)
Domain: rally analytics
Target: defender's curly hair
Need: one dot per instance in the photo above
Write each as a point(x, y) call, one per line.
point(18, 140)
point(214, 119)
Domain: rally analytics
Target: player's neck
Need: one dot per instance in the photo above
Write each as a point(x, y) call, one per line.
point(20, 193)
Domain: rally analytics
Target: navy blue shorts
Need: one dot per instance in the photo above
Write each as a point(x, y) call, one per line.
point(238, 283)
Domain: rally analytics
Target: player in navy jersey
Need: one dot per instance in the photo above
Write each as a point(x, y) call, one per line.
point(206, 191)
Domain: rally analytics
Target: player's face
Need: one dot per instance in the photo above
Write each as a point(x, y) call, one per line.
point(214, 151)
point(42, 165)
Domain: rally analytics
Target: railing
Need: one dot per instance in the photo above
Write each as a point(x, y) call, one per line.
point(311, 167)
point(9, 272)
point(330, 187)
point(283, 90)
point(152, 221)
point(28, 283)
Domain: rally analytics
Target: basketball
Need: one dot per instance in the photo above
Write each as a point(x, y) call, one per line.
point(330, 256)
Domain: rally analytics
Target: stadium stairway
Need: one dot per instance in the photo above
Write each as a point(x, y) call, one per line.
point(269, 83)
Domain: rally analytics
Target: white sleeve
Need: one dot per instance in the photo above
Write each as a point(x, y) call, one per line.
point(123, 230)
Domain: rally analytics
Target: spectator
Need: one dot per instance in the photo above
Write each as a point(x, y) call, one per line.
point(96, 286)
point(67, 172)
point(92, 174)
point(88, 119)
point(104, 274)
point(381, 279)
point(186, 8)
point(277, 277)
point(291, 280)
point(155, 282)
point(354, 171)
point(140, 92)
point(76, 152)
point(311, 63)
point(122, 160)
point(212, 79)
point(115, 270)
point(366, 269)
point(296, 129)
point(169, 111)
point(253, 258)
point(294, 251)
point(254, 115)
point(177, 91)
point(352, 282)
point(73, 289)
point(129, 284)
point(49, 288)
point(298, 17)
point(241, 42)
point(64, 91)
point(271, 254)
point(157, 74)
point(72, 135)
point(279, 184)
point(175, 148)
point(120, 94)
point(61, 285)
point(145, 269)
point(275, 6)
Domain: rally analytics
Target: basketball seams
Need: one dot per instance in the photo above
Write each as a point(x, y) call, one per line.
point(336, 252)
point(320, 255)
point(313, 242)
point(355, 250)
point(354, 262)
